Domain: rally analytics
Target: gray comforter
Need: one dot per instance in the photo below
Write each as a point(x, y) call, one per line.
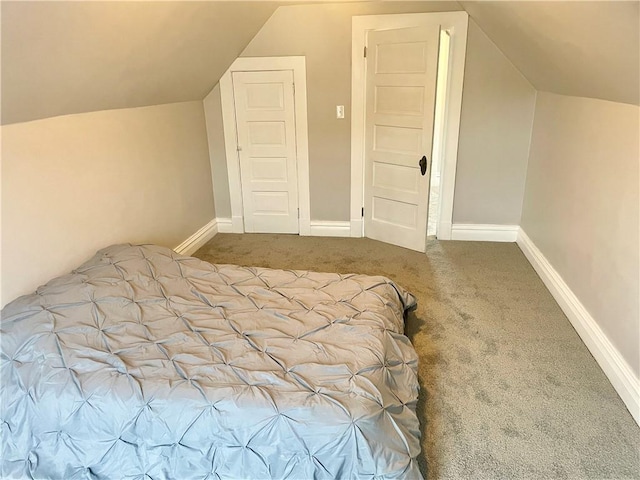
point(146, 364)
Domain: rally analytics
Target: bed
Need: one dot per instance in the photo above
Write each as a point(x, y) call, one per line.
point(143, 363)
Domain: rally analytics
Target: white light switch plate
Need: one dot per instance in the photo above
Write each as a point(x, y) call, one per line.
point(339, 111)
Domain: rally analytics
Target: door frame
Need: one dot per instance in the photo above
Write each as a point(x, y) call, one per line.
point(456, 23)
point(255, 64)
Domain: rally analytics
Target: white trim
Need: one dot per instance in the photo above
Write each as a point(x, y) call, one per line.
point(484, 233)
point(445, 226)
point(225, 225)
point(198, 239)
point(617, 370)
point(456, 23)
point(230, 145)
point(325, 228)
point(249, 64)
point(357, 227)
point(237, 224)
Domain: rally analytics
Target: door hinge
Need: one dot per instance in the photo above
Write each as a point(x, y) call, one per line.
point(365, 52)
point(362, 212)
point(298, 214)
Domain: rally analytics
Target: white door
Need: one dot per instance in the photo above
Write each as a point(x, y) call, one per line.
point(400, 96)
point(265, 121)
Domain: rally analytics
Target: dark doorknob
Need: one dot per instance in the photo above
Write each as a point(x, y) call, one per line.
point(423, 165)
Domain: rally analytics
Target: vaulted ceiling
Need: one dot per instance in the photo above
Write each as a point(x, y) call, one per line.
point(62, 57)
point(585, 49)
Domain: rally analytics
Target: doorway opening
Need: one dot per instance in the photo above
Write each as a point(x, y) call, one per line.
point(437, 153)
point(453, 46)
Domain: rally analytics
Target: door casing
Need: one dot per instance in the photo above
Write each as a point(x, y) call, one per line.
point(456, 23)
point(296, 64)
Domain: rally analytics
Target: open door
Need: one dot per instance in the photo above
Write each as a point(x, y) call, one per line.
point(401, 78)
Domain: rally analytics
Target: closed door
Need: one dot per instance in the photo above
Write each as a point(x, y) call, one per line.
point(400, 98)
point(265, 121)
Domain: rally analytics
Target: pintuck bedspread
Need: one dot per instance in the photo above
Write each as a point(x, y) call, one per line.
point(143, 363)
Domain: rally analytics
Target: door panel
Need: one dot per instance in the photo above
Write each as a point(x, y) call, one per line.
point(400, 57)
point(266, 134)
point(394, 212)
point(265, 120)
point(271, 203)
point(268, 169)
point(400, 96)
point(397, 139)
point(399, 100)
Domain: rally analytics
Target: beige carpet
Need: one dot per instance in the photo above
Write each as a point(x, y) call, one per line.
point(508, 390)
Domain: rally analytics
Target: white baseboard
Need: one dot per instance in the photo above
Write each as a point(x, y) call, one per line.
point(225, 225)
point(198, 239)
point(356, 227)
point(317, 228)
point(304, 226)
point(237, 224)
point(444, 231)
point(326, 228)
point(484, 233)
point(608, 357)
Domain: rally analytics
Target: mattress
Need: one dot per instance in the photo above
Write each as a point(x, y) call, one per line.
point(143, 363)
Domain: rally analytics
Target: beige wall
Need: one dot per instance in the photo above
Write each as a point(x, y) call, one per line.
point(495, 130)
point(581, 207)
point(497, 112)
point(77, 183)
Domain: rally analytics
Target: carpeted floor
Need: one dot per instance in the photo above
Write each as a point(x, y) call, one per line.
point(508, 389)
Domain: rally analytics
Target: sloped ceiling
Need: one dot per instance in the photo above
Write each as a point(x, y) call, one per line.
point(62, 57)
point(585, 49)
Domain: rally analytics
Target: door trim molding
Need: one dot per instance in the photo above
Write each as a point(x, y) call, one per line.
point(251, 64)
point(456, 23)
